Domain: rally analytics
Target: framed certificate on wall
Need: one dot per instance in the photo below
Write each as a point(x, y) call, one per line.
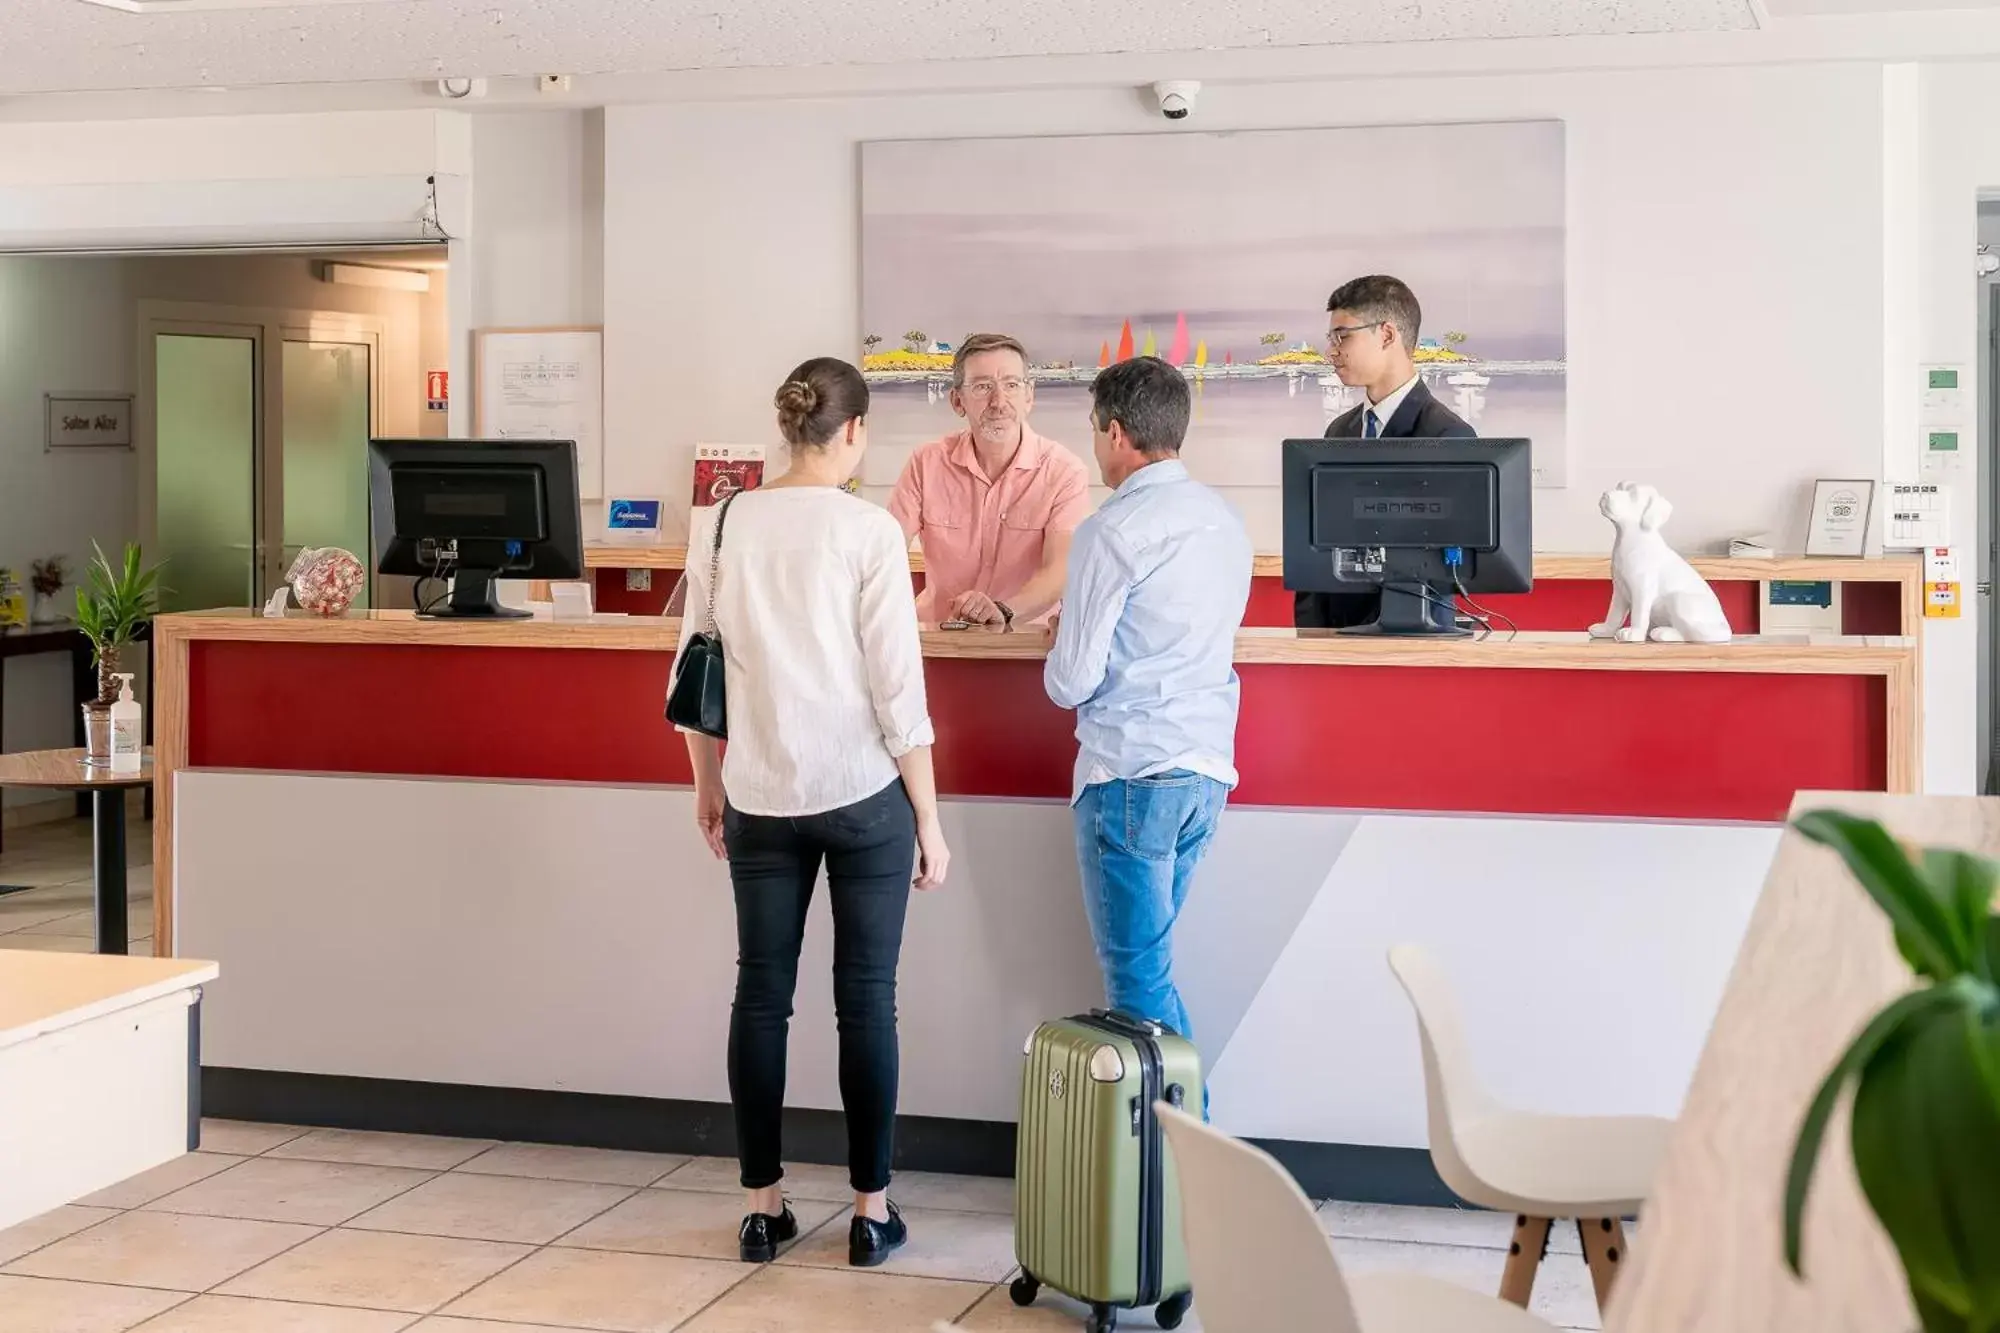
point(543, 384)
point(1840, 514)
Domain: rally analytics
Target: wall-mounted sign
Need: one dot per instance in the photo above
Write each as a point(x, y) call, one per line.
point(437, 390)
point(87, 420)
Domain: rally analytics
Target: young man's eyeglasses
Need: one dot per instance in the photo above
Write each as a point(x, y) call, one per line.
point(1337, 335)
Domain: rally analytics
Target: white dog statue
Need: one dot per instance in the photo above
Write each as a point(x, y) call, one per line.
point(1667, 601)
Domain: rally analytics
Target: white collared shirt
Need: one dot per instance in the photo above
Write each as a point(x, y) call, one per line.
point(819, 638)
point(1385, 410)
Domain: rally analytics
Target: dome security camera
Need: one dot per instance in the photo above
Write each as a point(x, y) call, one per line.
point(1177, 97)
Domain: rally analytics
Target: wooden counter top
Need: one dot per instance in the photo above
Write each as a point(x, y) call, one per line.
point(1894, 568)
point(47, 992)
point(1779, 654)
point(1816, 963)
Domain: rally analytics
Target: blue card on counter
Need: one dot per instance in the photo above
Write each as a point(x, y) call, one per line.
point(633, 516)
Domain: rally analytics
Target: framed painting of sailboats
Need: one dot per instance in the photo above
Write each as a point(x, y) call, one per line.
point(1217, 252)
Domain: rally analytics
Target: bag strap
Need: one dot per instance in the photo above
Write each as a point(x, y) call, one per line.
point(715, 556)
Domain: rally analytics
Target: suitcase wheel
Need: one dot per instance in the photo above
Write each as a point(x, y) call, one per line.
point(1172, 1310)
point(1103, 1319)
point(1024, 1289)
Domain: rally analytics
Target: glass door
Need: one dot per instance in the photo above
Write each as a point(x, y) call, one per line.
point(205, 391)
point(258, 427)
point(327, 406)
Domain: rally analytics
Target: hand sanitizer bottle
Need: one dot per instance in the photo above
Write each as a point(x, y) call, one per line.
point(128, 732)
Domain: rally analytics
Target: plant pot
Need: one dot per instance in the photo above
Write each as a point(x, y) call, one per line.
point(97, 735)
point(44, 610)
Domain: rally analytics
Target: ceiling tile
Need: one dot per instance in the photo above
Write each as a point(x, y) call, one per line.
point(81, 45)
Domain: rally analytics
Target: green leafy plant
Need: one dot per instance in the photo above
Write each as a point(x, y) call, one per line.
point(111, 606)
point(916, 340)
point(1926, 1078)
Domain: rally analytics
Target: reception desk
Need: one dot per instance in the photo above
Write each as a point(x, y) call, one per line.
point(452, 875)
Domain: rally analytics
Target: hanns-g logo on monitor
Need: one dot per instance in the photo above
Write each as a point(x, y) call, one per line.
point(1394, 507)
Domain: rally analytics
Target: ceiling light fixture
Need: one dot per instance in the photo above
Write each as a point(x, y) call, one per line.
point(193, 6)
point(361, 275)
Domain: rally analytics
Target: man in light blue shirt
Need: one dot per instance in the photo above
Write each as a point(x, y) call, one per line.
point(1145, 653)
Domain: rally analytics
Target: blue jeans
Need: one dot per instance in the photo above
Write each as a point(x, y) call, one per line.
point(1138, 841)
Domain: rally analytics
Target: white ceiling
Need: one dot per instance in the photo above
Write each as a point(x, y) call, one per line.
point(86, 46)
point(1784, 9)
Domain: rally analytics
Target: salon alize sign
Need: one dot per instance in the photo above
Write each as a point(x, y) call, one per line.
point(88, 421)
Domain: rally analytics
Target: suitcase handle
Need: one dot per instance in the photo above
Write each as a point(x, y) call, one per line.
point(1146, 1026)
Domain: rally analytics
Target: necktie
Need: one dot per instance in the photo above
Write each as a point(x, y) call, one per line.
point(1371, 427)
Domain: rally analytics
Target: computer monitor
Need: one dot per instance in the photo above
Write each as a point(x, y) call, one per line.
point(474, 511)
point(1421, 519)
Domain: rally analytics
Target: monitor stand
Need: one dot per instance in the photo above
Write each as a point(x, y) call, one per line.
point(475, 595)
point(1414, 611)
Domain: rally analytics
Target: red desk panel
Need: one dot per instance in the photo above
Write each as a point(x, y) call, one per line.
point(1699, 745)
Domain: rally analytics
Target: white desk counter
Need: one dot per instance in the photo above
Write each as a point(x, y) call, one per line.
point(100, 1060)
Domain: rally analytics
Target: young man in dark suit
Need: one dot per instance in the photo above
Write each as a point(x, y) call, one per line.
point(1371, 331)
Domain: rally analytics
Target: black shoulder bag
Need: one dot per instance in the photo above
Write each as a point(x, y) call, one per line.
point(697, 699)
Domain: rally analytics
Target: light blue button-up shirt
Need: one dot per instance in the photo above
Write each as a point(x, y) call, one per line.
point(1145, 651)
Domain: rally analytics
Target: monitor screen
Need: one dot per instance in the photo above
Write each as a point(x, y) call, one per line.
point(1393, 505)
point(455, 503)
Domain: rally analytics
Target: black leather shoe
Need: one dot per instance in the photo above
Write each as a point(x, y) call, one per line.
point(870, 1243)
point(762, 1234)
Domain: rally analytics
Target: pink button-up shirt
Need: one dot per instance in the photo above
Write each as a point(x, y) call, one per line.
point(980, 534)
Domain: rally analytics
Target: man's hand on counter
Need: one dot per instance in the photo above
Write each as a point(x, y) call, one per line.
point(976, 608)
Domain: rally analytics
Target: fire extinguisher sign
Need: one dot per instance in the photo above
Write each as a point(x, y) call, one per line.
point(438, 390)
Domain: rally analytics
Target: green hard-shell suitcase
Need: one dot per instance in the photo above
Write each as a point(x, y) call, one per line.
point(1097, 1211)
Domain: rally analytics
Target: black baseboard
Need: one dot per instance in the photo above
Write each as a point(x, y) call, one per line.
point(1353, 1172)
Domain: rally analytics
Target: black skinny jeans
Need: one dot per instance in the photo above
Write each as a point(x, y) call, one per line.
point(869, 849)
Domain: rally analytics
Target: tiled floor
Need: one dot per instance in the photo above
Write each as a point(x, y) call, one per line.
point(54, 911)
point(276, 1229)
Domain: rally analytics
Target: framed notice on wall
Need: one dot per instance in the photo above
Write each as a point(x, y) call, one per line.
point(543, 384)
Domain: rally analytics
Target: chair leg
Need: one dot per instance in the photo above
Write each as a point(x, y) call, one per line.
point(1524, 1257)
point(1603, 1241)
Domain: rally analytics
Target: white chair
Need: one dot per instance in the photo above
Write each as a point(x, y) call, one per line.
point(1593, 1169)
point(1260, 1262)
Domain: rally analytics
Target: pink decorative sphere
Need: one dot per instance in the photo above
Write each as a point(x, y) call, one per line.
point(326, 580)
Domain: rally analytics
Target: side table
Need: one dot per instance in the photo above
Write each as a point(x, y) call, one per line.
point(64, 770)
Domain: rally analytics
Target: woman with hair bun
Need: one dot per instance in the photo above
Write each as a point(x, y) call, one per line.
point(828, 763)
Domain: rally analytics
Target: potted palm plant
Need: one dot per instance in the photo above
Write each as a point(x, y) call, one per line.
point(111, 606)
point(1926, 1078)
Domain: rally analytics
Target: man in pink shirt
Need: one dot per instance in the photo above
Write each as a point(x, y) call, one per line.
point(995, 504)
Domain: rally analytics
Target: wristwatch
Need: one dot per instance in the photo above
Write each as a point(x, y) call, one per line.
point(1006, 613)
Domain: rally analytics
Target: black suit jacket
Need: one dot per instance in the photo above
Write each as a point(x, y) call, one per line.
point(1420, 416)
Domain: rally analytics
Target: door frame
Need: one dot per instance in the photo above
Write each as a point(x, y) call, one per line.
point(1988, 586)
point(268, 328)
